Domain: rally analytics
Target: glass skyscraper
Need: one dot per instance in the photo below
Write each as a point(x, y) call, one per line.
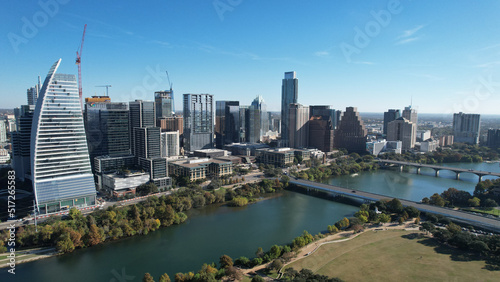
point(227, 122)
point(60, 166)
point(289, 95)
point(198, 111)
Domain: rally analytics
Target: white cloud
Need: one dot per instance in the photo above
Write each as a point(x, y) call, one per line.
point(408, 35)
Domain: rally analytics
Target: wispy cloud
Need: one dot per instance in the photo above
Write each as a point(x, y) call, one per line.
point(162, 43)
point(494, 46)
point(322, 54)
point(240, 54)
point(364, 63)
point(428, 76)
point(488, 65)
point(409, 35)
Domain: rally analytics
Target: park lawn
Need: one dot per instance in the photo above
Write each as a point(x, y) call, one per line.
point(486, 211)
point(387, 256)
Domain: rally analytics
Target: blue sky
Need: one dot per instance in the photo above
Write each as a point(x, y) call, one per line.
point(445, 55)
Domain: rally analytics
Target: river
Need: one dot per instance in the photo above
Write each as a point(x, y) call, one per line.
point(216, 230)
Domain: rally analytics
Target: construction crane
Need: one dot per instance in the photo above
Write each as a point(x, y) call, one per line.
point(107, 87)
point(171, 94)
point(79, 62)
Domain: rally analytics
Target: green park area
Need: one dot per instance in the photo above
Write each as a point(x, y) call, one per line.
point(395, 256)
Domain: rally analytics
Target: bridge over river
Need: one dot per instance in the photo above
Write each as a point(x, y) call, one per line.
point(468, 218)
point(437, 168)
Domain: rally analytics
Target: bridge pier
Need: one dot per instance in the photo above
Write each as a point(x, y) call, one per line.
point(400, 168)
point(418, 170)
point(480, 178)
point(437, 173)
point(458, 176)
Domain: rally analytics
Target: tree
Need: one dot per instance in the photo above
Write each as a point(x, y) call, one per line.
point(164, 278)
point(277, 264)
point(384, 218)
point(74, 213)
point(64, 244)
point(147, 278)
point(437, 200)
point(94, 235)
point(453, 228)
point(474, 202)
point(489, 203)
point(259, 253)
point(225, 261)
point(275, 251)
point(257, 278)
point(395, 205)
point(234, 273)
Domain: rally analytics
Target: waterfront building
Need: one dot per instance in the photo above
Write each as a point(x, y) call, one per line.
point(493, 140)
point(298, 125)
point(197, 169)
point(351, 132)
point(279, 157)
point(388, 117)
point(198, 111)
point(402, 130)
point(227, 123)
point(60, 164)
point(119, 184)
point(257, 123)
point(466, 128)
point(393, 147)
point(289, 95)
point(376, 147)
point(106, 128)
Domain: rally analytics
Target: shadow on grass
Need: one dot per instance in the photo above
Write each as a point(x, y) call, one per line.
point(454, 253)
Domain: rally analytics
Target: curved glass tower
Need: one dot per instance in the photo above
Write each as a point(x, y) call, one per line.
point(60, 166)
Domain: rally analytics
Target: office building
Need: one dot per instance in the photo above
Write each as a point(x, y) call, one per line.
point(169, 144)
point(3, 131)
point(493, 140)
point(376, 147)
point(21, 142)
point(429, 146)
point(321, 133)
point(393, 147)
point(388, 117)
point(107, 128)
point(197, 169)
point(147, 142)
point(402, 130)
point(32, 93)
point(446, 140)
point(298, 126)
point(174, 123)
point(227, 123)
point(423, 135)
point(289, 95)
point(466, 128)
point(198, 111)
point(142, 114)
point(411, 115)
point(60, 164)
point(257, 122)
point(351, 132)
point(279, 157)
point(164, 103)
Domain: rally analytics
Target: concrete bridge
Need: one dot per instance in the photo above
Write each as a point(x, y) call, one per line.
point(464, 217)
point(437, 168)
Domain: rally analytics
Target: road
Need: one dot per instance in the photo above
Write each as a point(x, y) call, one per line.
point(477, 220)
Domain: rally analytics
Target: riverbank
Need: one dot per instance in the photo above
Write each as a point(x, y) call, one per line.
point(27, 255)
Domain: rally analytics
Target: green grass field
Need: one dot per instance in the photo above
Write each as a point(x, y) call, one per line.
point(389, 256)
point(482, 210)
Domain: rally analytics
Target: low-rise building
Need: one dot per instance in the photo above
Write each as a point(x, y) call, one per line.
point(4, 156)
point(429, 145)
point(197, 169)
point(210, 153)
point(278, 156)
point(244, 149)
point(120, 184)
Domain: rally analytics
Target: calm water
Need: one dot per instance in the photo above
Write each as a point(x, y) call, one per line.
point(409, 185)
point(209, 233)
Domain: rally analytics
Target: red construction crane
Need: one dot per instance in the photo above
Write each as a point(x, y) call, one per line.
point(78, 62)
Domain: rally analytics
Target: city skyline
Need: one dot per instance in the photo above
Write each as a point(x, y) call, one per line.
point(414, 52)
